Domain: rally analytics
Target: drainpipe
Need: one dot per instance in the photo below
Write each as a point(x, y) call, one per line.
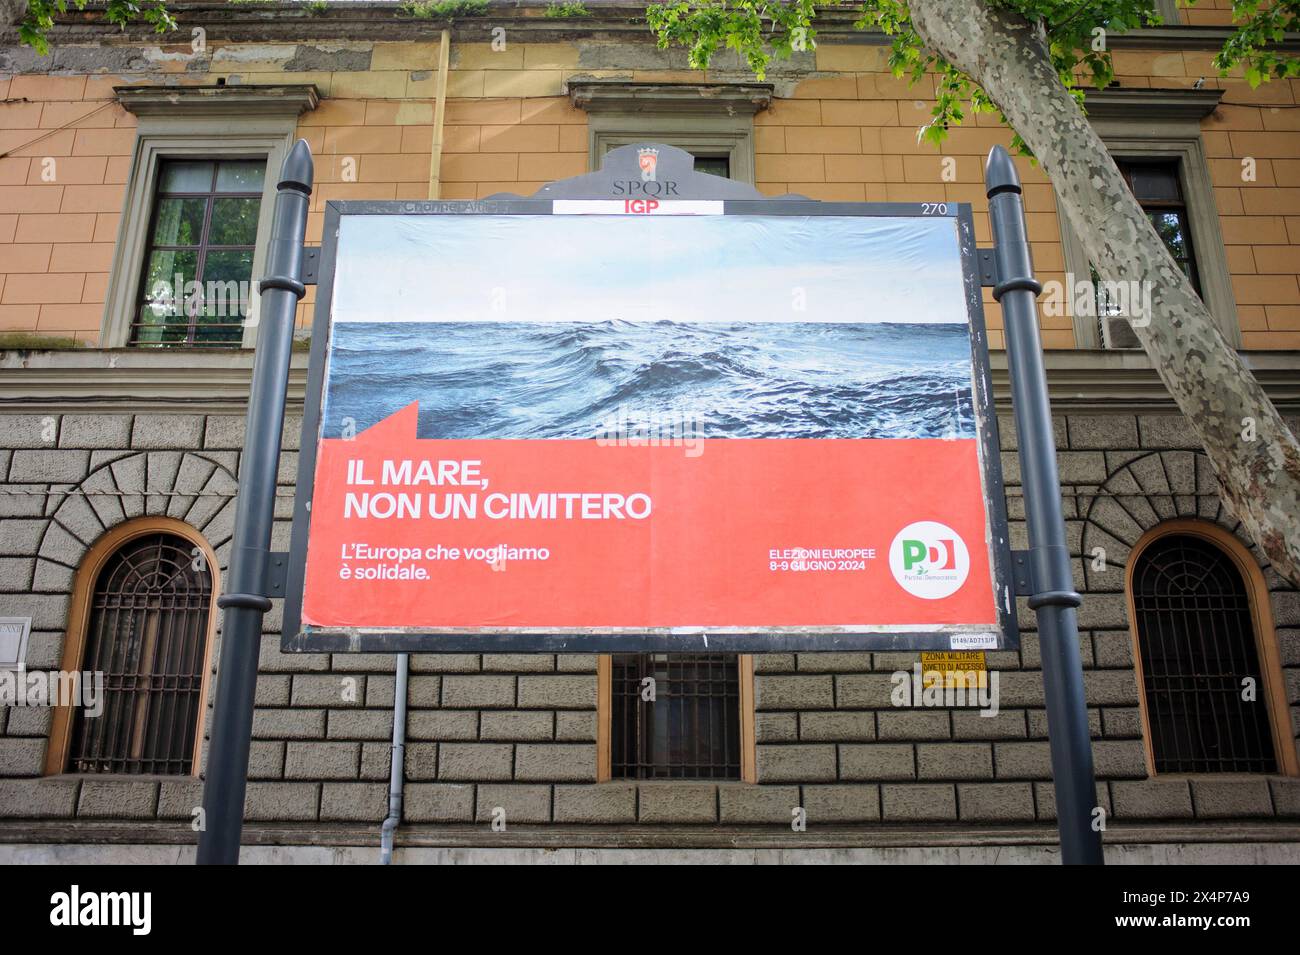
point(439, 111)
point(396, 774)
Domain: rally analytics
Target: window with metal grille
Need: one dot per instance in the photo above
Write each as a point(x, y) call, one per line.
point(675, 716)
point(147, 633)
point(198, 270)
point(1197, 641)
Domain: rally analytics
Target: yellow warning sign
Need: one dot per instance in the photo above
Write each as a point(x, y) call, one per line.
point(954, 670)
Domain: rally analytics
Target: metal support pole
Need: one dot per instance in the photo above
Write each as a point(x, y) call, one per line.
point(246, 602)
point(1054, 600)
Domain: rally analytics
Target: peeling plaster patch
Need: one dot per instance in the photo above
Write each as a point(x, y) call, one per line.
point(333, 57)
point(253, 54)
point(23, 60)
point(135, 80)
point(782, 86)
point(100, 59)
point(156, 54)
point(630, 56)
point(597, 75)
point(814, 74)
point(419, 76)
point(77, 61)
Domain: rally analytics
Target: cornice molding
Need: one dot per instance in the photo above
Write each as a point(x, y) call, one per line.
point(608, 19)
point(619, 96)
point(133, 380)
point(289, 99)
point(1152, 105)
point(1176, 37)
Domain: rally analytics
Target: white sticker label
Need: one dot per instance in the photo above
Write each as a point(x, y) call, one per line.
point(637, 207)
point(973, 641)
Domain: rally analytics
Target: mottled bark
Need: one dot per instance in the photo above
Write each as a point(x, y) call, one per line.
point(1255, 456)
point(11, 11)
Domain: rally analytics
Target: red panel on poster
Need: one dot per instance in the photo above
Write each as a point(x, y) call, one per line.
point(570, 533)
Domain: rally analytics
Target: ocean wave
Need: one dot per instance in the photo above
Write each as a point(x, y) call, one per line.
point(724, 379)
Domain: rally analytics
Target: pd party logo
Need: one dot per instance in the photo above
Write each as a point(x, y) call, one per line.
point(929, 560)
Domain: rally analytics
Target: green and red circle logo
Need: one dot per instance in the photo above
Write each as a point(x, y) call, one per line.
point(929, 560)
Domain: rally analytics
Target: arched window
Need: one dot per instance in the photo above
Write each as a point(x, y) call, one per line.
point(1207, 688)
point(142, 617)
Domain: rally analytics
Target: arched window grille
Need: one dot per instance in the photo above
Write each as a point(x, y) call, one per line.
point(147, 632)
point(1199, 657)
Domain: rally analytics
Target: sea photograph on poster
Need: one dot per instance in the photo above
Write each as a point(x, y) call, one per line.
point(648, 422)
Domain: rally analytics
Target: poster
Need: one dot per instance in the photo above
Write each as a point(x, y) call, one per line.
point(669, 424)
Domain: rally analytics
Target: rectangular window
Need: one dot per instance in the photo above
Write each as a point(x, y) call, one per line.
point(714, 165)
point(712, 121)
point(197, 281)
point(1154, 136)
point(675, 716)
point(1156, 186)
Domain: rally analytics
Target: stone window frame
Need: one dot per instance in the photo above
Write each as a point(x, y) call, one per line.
point(224, 122)
point(1163, 124)
point(708, 118)
point(1261, 614)
point(74, 644)
point(605, 722)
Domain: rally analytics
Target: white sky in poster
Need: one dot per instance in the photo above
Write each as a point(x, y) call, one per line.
point(449, 268)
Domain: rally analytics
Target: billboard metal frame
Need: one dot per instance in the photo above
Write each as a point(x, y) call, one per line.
point(1043, 573)
point(741, 640)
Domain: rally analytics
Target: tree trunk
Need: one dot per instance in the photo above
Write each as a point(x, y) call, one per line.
point(1255, 456)
point(12, 11)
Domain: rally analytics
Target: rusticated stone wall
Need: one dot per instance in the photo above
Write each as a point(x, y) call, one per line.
point(518, 731)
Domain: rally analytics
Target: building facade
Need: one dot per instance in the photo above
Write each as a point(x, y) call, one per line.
point(128, 158)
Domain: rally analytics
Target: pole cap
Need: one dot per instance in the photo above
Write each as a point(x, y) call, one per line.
point(298, 169)
point(1000, 173)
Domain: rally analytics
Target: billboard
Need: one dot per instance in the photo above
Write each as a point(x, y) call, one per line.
point(621, 425)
